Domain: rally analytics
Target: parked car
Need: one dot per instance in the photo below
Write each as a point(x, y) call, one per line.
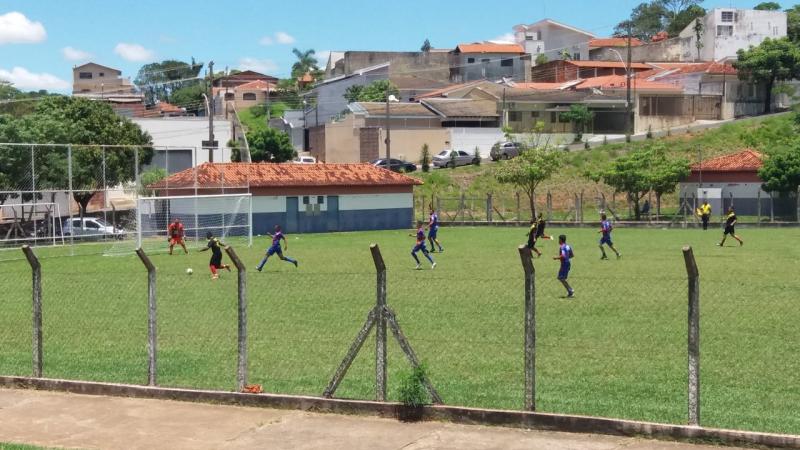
point(397, 165)
point(505, 150)
point(305, 160)
point(91, 228)
point(445, 159)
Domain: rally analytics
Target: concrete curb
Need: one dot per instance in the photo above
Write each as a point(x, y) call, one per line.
point(460, 415)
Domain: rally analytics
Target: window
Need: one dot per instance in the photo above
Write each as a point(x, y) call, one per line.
point(485, 60)
point(229, 96)
point(576, 56)
point(534, 114)
point(320, 199)
point(470, 60)
point(727, 16)
point(305, 200)
point(724, 30)
point(85, 75)
point(462, 153)
point(661, 106)
point(249, 96)
point(101, 74)
point(515, 116)
point(774, 31)
point(528, 37)
point(507, 62)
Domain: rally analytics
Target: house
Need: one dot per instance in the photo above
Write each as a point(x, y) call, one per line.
point(306, 198)
point(178, 141)
point(164, 109)
point(724, 32)
point(551, 39)
point(433, 65)
point(95, 79)
point(489, 60)
point(246, 95)
point(292, 124)
point(326, 100)
point(619, 43)
point(243, 77)
point(732, 180)
point(561, 71)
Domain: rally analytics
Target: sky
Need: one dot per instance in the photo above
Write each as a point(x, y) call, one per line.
point(41, 40)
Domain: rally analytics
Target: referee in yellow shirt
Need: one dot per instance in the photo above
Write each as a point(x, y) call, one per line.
point(705, 213)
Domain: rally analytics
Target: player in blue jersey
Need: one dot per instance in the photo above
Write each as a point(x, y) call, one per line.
point(433, 229)
point(276, 248)
point(605, 230)
point(565, 255)
point(420, 246)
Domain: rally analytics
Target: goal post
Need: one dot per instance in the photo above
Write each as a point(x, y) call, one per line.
point(35, 224)
point(227, 216)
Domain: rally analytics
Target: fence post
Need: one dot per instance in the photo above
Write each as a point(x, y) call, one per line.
point(758, 205)
point(489, 207)
point(694, 336)
point(152, 369)
point(36, 269)
point(549, 205)
point(530, 328)
point(771, 208)
point(519, 216)
point(241, 372)
point(380, 325)
point(581, 210)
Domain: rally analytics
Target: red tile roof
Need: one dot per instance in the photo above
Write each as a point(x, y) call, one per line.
point(256, 85)
point(306, 78)
point(614, 42)
point(490, 47)
point(285, 175)
point(612, 82)
point(747, 160)
point(608, 64)
point(165, 107)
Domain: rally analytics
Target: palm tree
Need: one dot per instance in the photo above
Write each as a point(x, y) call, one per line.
point(306, 62)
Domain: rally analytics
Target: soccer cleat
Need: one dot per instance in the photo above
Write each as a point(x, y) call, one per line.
point(619, 255)
point(419, 267)
point(441, 250)
point(215, 277)
point(258, 269)
point(719, 245)
point(741, 243)
point(228, 268)
point(603, 257)
point(571, 294)
point(295, 263)
point(433, 266)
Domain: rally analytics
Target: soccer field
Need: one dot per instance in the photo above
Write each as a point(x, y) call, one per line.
point(618, 349)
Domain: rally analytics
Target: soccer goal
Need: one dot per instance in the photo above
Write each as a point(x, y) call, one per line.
point(34, 224)
point(228, 216)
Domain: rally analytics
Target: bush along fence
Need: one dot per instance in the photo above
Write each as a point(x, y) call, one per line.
point(381, 317)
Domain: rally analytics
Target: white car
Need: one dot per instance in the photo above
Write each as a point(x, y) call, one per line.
point(445, 159)
point(91, 227)
point(305, 160)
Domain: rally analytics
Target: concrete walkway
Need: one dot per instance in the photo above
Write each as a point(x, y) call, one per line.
point(79, 421)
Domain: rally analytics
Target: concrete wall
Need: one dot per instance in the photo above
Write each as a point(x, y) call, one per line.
point(330, 96)
point(436, 64)
point(468, 138)
point(745, 199)
point(342, 143)
point(188, 133)
point(489, 66)
point(553, 40)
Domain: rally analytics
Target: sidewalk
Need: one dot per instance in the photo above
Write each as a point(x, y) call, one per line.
point(78, 421)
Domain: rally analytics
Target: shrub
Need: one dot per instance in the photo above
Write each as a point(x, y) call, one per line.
point(476, 155)
point(412, 388)
point(425, 159)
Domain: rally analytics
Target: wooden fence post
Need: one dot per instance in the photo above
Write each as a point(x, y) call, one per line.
point(694, 336)
point(241, 368)
point(549, 205)
point(380, 326)
point(530, 328)
point(758, 205)
point(152, 369)
point(36, 269)
point(489, 207)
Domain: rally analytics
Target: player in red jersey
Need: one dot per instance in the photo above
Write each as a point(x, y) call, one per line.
point(176, 232)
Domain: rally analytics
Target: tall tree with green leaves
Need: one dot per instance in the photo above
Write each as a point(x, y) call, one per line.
point(772, 61)
point(426, 46)
point(781, 170)
point(665, 173)
point(530, 169)
point(767, 6)
point(306, 62)
point(646, 20)
point(685, 18)
point(793, 23)
point(269, 145)
point(159, 80)
point(377, 91)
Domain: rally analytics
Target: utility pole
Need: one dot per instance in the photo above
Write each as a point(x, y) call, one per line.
point(210, 111)
point(388, 131)
point(629, 105)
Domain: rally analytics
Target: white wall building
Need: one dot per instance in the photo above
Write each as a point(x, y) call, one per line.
point(551, 38)
point(726, 30)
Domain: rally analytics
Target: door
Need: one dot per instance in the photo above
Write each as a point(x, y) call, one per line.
point(333, 213)
point(291, 215)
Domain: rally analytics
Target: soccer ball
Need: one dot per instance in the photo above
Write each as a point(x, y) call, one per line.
point(189, 271)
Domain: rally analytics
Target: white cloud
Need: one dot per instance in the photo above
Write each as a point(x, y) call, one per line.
point(25, 80)
point(259, 65)
point(504, 38)
point(280, 37)
point(74, 54)
point(284, 38)
point(134, 52)
point(15, 28)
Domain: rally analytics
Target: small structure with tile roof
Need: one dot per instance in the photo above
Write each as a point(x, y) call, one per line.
point(306, 198)
point(489, 61)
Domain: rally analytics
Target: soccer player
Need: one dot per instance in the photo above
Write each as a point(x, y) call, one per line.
point(176, 232)
point(705, 213)
point(565, 254)
point(532, 238)
point(433, 229)
point(215, 264)
point(276, 248)
point(730, 223)
point(420, 246)
point(605, 229)
point(540, 224)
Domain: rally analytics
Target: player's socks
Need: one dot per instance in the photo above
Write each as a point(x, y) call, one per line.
point(414, 255)
point(430, 259)
point(571, 294)
point(433, 266)
point(418, 267)
point(261, 264)
point(290, 260)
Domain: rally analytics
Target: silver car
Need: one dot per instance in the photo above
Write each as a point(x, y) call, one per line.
point(91, 228)
point(445, 158)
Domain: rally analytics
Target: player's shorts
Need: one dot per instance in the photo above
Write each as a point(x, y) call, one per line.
point(276, 248)
point(729, 229)
point(606, 240)
point(176, 241)
point(432, 232)
point(563, 272)
point(531, 244)
point(419, 247)
point(540, 232)
point(216, 261)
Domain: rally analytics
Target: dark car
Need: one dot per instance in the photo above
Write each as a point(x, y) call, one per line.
point(397, 165)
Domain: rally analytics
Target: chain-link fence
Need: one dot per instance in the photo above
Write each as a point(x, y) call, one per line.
point(619, 349)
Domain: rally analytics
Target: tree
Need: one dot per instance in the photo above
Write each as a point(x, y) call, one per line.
point(190, 97)
point(541, 58)
point(767, 6)
point(565, 55)
point(646, 20)
point(699, 29)
point(772, 61)
point(793, 23)
point(306, 62)
point(377, 91)
point(781, 170)
point(352, 93)
point(580, 116)
point(150, 177)
point(528, 170)
point(665, 173)
point(270, 145)
point(425, 158)
point(159, 80)
point(426, 46)
point(674, 8)
point(685, 18)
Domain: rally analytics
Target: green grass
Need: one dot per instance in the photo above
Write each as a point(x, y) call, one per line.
point(617, 350)
point(7, 446)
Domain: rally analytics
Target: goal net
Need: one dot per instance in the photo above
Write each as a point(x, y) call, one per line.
point(228, 216)
point(34, 224)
